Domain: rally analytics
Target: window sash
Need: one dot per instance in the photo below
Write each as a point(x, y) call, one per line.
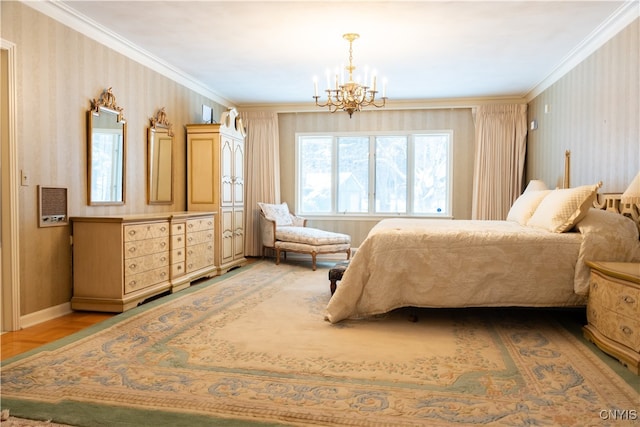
point(328, 187)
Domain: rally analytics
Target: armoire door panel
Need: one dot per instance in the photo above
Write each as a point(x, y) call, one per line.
point(238, 233)
point(201, 180)
point(238, 172)
point(226, 166)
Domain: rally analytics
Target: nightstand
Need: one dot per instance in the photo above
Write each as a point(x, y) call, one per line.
point(613, 311)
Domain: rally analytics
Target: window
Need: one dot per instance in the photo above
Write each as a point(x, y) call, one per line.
point(375, 174)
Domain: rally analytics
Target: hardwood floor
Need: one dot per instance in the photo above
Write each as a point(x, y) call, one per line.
point(18, 342)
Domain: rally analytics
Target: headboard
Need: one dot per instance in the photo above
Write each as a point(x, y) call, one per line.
point(611, 202)
point(608, 201)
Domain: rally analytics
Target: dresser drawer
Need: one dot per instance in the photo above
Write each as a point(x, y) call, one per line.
point(615, 296)
point(199, 224)
point(199, 237)
point(178, 255)
point(622, 329)
point(145, 263)
point(178, 269)
point(143, 280)
point(178, 228)
point(199, 256)
point(145, 247)
point(145, 231)
point(177, 240)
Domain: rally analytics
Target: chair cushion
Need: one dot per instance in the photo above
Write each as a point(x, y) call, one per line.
point(310, 236)
point(278, 213)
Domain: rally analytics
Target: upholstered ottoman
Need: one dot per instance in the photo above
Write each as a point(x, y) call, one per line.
point(311, 241)
point(336, 273)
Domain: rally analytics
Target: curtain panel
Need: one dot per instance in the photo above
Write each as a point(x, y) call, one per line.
point(501, 132)
point(262, 178)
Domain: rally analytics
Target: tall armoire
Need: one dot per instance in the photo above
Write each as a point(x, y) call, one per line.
point(215, 182)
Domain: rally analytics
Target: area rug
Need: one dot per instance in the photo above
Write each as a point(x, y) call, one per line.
point(252, 348)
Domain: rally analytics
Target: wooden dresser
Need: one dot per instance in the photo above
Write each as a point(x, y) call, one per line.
point(119, 261)
point(613, 311)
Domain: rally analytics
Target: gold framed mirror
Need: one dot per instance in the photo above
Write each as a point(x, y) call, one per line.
point(106, 151)
point(160, 160)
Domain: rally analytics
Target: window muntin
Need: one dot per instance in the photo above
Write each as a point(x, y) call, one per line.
point(380, 174)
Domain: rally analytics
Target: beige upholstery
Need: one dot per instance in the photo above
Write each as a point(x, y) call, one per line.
point(298, 238)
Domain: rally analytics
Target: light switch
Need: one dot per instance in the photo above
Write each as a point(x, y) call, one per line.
point(24, 178)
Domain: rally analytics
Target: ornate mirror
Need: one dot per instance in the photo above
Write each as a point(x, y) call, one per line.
point(160, 160)
point(106, 151)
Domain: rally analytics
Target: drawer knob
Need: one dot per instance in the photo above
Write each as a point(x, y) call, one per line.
point(628, 299)
point(626, 330)
point(179, 252)
point(132, 232)
point(179, 267)
point(163, 259)
point(163, 228)
point(163, 244)
point(179, 239)
point(132, 266)
point(132, 249)
point(132, 283)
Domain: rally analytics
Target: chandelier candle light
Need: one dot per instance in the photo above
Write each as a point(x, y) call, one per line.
point(350, 96)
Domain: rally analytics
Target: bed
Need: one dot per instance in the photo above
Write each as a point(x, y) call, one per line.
point(536, 258)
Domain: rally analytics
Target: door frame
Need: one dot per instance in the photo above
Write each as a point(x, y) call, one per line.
point(9, 217)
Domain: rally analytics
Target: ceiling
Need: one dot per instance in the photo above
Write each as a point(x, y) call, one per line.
point(267, 52)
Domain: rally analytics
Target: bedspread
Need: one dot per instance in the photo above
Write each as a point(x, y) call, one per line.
point(466, 263)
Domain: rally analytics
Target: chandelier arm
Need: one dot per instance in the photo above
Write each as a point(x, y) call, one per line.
point(326, 104)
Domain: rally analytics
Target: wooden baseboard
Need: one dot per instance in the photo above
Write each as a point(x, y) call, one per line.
point(43, 315)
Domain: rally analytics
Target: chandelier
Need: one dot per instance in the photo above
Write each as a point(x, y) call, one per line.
point(350, 96)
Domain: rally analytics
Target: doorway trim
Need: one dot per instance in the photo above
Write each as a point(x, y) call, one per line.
point(10, 279)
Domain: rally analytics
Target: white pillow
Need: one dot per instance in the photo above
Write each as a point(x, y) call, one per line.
point(525, 205)
point(561, 209)
point(536, 185)
point(278, 213)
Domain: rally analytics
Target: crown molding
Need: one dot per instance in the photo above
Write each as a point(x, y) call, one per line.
point(416, 104)
point(621, 18)
point(67, 16)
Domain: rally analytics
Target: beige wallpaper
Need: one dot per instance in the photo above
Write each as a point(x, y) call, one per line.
point(58, 72)
point(593, 111)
